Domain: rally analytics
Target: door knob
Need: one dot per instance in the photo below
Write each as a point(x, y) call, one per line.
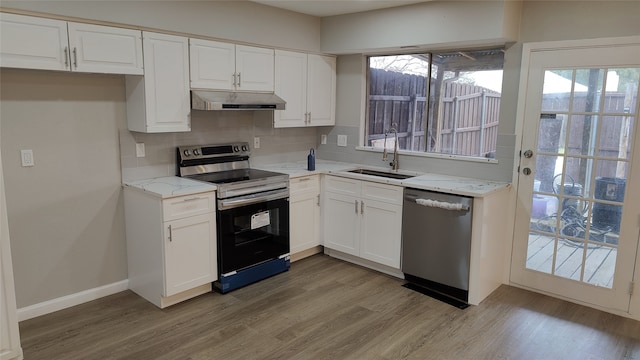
point(526, 171)
point(528, 154)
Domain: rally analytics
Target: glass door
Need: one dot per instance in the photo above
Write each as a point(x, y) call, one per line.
point(576, 225)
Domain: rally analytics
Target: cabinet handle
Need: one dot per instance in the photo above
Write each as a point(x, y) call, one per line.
point(170, 235)
point(66, 57)
point(362, 207)
point(356, 203)
point(318, 200)
point(75, 57)
point(234, 79)
point(304, 179)
point(239, 79)
point(191, 198)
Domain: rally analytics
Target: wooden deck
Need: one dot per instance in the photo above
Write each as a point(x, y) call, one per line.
point(599, 264)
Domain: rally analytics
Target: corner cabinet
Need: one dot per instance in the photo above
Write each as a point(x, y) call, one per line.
point(171, 245)
point(160, 100)
point(307, 83)
point(304, 215)
point(363, 219)
point(218, 65)
point(36, 43)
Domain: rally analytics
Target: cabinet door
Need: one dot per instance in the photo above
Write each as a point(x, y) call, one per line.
point(105, 49)
point(291, 85)
point(254, 68)
point(166, 83)
point(189, 253)
point(341, 223)
point(213, 64)
point(381, 232)
point(33, 43)
point(321, 95)
point(304, 213)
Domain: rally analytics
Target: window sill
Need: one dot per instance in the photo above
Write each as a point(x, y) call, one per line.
point(431, 155)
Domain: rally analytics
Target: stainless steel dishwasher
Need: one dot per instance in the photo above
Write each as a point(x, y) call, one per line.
point(436, 244)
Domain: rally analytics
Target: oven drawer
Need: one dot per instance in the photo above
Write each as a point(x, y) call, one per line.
point(189, 205)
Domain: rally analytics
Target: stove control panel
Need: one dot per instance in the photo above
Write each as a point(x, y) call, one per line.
point(239, 149)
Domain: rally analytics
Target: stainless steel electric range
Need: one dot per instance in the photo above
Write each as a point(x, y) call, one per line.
point(252, 212)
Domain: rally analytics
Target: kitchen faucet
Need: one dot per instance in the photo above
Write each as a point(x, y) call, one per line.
point(394, 164)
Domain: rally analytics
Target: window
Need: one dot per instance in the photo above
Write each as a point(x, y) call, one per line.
point(446, 103)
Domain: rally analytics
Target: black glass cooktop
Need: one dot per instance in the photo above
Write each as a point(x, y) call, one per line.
point(237, 175)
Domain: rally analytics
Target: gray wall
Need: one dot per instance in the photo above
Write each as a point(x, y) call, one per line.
point(541, 21)
point(66, 217)
point(65, 214)
point(433, 25)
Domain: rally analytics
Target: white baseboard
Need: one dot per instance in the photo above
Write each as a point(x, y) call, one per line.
point(67, 301)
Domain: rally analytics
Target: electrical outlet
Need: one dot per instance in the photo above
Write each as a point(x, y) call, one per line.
point(140, 150)
point(323, 139)
point(27, 157)
point(342, 140)
point(256, 142)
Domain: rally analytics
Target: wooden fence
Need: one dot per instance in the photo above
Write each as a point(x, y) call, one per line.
point(466, 116)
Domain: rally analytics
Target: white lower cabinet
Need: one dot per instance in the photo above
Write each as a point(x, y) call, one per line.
point(363, 219)
point(304, 213)
point(171, 245)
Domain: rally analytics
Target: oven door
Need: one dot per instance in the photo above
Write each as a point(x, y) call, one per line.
point(252, 232)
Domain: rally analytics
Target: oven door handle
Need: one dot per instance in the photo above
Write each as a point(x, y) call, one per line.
point(226, 204)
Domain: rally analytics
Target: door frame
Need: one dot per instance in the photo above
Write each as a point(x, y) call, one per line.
point(527, 50)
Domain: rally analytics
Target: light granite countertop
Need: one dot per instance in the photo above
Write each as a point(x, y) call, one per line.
point(170, 186)
point(424, 181)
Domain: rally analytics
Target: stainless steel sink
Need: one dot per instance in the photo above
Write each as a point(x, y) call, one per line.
point(381, 174)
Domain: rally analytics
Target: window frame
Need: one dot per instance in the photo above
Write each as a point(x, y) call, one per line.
point(363, 135)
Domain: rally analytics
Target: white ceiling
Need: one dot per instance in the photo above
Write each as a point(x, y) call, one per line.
point(322, 8)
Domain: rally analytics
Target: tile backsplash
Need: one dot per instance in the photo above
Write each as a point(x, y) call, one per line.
point(213, 127)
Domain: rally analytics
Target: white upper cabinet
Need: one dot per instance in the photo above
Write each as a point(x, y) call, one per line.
point(254, 68)
point(33, 43)
point(36, 43)
point(104, 49)
point(291, 85)
point(321, 93)
point(159, 101)
point(213, 64)
point(308, 84)
point(224, 66)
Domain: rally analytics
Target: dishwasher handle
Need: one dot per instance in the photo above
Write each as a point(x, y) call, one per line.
point(445, 205)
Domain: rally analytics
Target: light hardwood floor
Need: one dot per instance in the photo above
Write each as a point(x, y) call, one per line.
point(325, 308)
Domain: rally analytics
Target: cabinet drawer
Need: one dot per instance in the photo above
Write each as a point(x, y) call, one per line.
point(342, 185)
point(303, 185)
point(382, 192)
point(190, 205)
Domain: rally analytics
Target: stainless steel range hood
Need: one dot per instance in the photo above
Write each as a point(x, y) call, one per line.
point(223, 100)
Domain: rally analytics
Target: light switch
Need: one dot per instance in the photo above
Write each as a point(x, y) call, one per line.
point(27, 158)
point(256, 142)
point(342, 140)
point(323, 139)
